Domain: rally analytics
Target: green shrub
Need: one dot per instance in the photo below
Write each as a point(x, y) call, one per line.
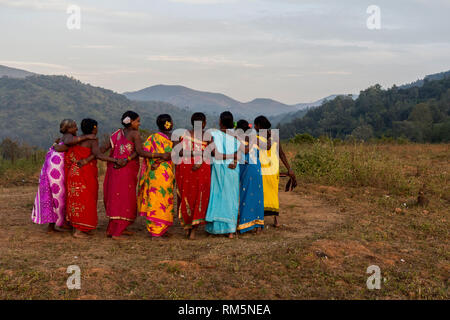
point(356, 165)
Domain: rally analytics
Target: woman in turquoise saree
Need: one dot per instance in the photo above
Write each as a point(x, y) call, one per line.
point(223, 207)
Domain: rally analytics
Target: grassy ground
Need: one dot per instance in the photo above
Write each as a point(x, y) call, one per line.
point(356, 206)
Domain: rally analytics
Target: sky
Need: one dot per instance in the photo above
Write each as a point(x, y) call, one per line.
point(292, 51)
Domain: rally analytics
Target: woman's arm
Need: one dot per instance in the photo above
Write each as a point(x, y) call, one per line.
point(98, 154)
point(60, 147)
point(286, 162)
point(105, 147)
point(70, 140)
point(85, 161)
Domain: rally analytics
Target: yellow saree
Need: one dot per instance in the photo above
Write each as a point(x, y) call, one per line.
point(155, 195)
point(270, 167)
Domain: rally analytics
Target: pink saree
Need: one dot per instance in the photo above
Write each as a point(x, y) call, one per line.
point(50, 202)
point(119, 188)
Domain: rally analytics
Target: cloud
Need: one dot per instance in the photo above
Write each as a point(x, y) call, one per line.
point(29, 64)
point(213, 60)
point(92, 46)
point(204, 1)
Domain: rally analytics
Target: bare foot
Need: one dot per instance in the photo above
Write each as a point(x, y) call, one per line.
point(127, 233)
point(276, 224)
point(187, 233)
point(118, 238)
point(231, 236)
point(66, 226)
point(192, 235)
point(80, 235)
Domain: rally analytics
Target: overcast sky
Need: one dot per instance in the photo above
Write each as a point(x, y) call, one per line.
point(289, 50)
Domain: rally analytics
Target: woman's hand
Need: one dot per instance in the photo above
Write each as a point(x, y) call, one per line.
point(166, 156)
point(195, 167)
point(233, 165)
point(81, 163)
point(122, 162)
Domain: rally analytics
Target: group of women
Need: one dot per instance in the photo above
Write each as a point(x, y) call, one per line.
point(229, 189)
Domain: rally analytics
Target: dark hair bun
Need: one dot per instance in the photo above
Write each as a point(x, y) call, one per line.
point(88, 125)
point(227, 119)
point(162, 121)
point(127, 117)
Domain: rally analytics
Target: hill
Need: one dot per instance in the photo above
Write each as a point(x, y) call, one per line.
point(421, 114)
point(32, 108)
point(208, 102)
point(420, 82)
point(14, 73)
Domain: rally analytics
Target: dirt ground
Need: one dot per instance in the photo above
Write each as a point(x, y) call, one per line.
point(317, 253)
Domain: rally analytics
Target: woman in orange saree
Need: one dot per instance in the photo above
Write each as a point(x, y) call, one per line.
point(193, 177)
point(82, 181)
point(156, 185)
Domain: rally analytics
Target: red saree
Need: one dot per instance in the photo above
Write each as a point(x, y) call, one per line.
point(193, 187)
point(82, 189)
point(119, 188)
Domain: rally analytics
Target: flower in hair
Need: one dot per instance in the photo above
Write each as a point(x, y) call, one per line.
point(127, 120)
point(167, 125)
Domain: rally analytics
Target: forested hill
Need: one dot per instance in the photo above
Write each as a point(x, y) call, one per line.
point(32, 108)
point(420, 114)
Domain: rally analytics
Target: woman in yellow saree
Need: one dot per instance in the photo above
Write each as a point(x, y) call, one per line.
point(269, 155)
point(156, 185)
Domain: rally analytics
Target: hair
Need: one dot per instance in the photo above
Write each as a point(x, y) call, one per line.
point(132, 115)
point(263, 122)
point(66, 124)
point(198, 116)
point(88, 125)
point(161, 121)
point(243, 124)
point(226, 118)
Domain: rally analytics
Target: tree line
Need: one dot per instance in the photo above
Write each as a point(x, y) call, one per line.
point(419, 114)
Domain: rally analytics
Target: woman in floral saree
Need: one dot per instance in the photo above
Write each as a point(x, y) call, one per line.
point(156, 184)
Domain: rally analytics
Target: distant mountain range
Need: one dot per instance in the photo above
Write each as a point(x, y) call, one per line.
point(215, 103)
point(32, 105)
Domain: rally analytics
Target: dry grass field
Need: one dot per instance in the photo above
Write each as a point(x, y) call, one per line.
point(355, 206)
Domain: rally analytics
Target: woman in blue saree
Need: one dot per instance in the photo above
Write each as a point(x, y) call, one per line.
point(223, 207)
point(251, 200)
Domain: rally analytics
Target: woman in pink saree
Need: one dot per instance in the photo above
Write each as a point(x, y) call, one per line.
point(119, 188)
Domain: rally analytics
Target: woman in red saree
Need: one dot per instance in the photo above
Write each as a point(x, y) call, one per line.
point(193, 177)
point(82, 181)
